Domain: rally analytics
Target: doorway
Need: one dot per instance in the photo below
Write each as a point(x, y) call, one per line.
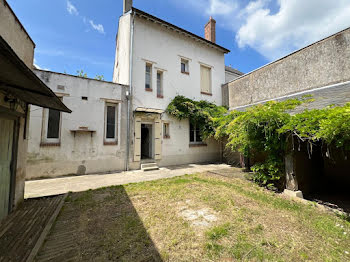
point(6, 156)
point(146, 141)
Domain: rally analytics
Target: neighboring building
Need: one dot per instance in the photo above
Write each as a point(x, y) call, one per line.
point(231, 74)
point(166, 61)
point(19, 87)
point(322, 70)
point(91, 139)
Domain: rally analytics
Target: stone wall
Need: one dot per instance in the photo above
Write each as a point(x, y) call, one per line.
point(323, 63)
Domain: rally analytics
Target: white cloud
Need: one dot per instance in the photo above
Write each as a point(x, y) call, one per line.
point(99, 28)
point(71, 8)
point(275, 33)
point(296, 24)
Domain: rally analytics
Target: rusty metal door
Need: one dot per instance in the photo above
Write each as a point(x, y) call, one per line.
point(6, 148)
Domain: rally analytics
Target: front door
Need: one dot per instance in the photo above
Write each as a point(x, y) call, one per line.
point(6, 147)
point(146, 141)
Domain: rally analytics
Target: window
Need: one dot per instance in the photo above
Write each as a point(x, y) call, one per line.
point(195, 136)
point(160, 84)
point(111, 113)
point(184, 66)
point(205, 80)
point(51, 127)
point(166, 131)
point(148, 85)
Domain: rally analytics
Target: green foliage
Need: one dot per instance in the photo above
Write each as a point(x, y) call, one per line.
point(100, 77)
point(81, 73)
point(203, 114)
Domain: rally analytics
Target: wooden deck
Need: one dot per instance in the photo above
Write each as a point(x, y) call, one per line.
point(22, 230)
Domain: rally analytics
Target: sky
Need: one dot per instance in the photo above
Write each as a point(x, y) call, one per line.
point(72, 35)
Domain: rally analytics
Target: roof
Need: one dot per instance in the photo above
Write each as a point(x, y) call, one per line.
point(232, 70)
point(333, 95)
point(179, 30)
point(19, 22)
point(20, 81)
point(295, 52)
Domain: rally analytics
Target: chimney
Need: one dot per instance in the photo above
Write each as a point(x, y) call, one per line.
point(127, 6)
point(209, 30)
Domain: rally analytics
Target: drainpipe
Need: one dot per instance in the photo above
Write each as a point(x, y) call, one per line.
point(130, 95)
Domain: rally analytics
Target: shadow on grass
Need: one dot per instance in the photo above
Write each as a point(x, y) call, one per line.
point(108, 227)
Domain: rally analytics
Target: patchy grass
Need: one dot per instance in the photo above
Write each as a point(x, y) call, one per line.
point(203, 217)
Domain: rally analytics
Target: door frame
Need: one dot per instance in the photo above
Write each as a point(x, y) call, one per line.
point(8, 114)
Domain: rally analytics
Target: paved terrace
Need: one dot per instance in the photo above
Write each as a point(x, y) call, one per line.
point(56, 186)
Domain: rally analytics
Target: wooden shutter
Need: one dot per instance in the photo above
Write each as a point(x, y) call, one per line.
point(137, 140)
point(205, 79)
point(158, 139)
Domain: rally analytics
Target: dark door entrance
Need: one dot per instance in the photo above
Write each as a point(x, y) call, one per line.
point(146, 141)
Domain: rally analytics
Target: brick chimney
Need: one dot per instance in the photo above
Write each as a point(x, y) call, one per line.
point(127, 6)
point(209, 30)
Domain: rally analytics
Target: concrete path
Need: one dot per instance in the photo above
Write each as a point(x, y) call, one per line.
point(55, 186)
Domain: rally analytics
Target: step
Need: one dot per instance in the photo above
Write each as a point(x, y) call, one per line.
point(149, 166)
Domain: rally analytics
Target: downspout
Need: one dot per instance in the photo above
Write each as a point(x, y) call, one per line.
point(130, 95)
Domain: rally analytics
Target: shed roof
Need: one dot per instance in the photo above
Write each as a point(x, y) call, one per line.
point(233, 70)
point(20, 81)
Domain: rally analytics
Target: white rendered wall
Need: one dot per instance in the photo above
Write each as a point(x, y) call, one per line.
point(82, 153)
point(164, 49)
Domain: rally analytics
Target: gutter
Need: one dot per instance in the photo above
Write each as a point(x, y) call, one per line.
point(130, 95)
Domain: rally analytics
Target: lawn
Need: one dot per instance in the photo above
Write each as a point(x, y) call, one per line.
point(202, 217)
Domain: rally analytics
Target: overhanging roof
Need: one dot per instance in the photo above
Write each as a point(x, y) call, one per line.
point(20, 81)
point(179, 30)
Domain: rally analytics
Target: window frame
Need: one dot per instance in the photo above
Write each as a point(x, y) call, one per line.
point(45, 124)
point(150, 76)
point(111, 141)
point(186, 62)
point(161, 94)
point(210, 80)
point(166, 135)
point(195, 130)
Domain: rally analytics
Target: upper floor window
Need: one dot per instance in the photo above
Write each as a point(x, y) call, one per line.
point(160, 84)
point(148, 76)
point(111, 113)
point(195, 136)
point(205, 80)
point(184, 66)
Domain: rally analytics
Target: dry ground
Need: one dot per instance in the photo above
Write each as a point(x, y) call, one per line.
point(201, 217)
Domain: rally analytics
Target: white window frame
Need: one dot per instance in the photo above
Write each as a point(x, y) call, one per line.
point(187, 66)
point(195, 142)
point(150, 65)
point(115, 139)
point(161, 95)
point(44, 138)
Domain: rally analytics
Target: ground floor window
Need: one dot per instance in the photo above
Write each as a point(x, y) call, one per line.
point(195, 136)
point(166, 131)
point(51, 126)
point(111, 115)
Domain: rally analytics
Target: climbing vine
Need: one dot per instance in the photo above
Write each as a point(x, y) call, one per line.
point(261, 131)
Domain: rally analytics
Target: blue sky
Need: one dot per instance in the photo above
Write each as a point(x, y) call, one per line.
point(80, 34)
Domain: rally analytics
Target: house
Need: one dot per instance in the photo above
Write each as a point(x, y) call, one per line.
point(159, 60)
point(321, 70)
point(89, 140)
point(19, 87)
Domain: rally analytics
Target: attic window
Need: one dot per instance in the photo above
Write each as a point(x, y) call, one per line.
point(84, 98)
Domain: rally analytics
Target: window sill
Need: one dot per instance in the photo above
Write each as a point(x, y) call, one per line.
point(166, 137)
point(105, 143)
point(185, 73)
point(205, 93)
point(159, 96)
point(149, 89)
point(46, 144)
point(198, 145)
